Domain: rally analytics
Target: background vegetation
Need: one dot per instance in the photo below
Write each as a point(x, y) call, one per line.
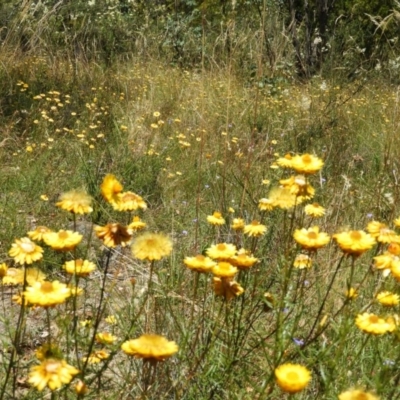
point(189, 103)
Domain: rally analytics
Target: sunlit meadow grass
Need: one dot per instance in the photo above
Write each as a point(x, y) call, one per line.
point(201, 148)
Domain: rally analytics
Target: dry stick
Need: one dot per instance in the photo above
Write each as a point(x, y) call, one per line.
point(101, 309)
point(321, 308)
point(16, 343)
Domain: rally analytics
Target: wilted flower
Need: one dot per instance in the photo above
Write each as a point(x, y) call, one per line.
point(113, 235)
point(227, 288)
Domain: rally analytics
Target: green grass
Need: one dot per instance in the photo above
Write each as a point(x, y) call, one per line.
point(209, 150)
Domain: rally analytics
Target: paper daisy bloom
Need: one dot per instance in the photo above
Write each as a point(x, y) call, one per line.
point(354, 243)
point(110, 188)
point(356, 394)
point(351, 293)
point(395, 269)
point(62, 240)
point(113, 235)
point(394, 248)
point(243, 260)
point(306, 164)
point(15, 276)
point(24, 251)
point(292, 378)
point(79, 267)
point(199, 263)
point(105, 338)
point(150, 347)
point(266, 204)
point(128, 201)
point(221, 251)
point(311, 239)
point(216, 219)
point(38, 233)
point(314, 210)
point(298, 186)
point(152, 246)
point(76, 202)
point(382, 233)
point(384, 261)
point(224, 270)
point(302, 261)
point(47, 294)
point(52, 373)
point(238, 224)
point(255, 229)
point(388, 299)
point(282, 198)
point(371, 323)
point(137, 224)
point(285, 162)
point(96, 357)
point(227, 288)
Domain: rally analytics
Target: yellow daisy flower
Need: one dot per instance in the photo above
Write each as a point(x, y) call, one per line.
point(24, 251)
point(314, 210)
point(306, 164)
point(282, 198)
point(113, 235)
point(96, 357)
point(38, 233)
point(255, 229)
point(357, 395)
point(47, 294)
point(238, 224)
point(224, 270)
point(243, 260)
point(382, 233)
point(79, 267)
point(302, 261)
point(62, 240)
point(199, 263)
point(384, 261)
point(371, 323)
point(351, 293)
point(388, 299)
point(354, 242)
point(110, 188)
point(285, 162)
point(227, 288)
point(3, 270)
point(292, 378)
point(137, 224)
point(311, 238)
point(81, 388)
point(298, 186)
point(221, 251)
point(52, 373)
point(216, 219)
point(394, 269)
point(152, 246)
point(128, 201)
point(150, 347)
point(266, 204)
point(105, 338)
point(75, 201)
point(394, 248)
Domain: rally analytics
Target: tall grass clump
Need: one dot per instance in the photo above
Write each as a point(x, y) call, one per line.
point(190, 234)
